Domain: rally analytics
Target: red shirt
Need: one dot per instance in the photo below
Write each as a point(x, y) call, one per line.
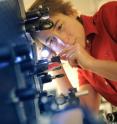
point(101, 31)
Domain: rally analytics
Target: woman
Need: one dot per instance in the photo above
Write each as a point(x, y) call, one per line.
point(89, 43)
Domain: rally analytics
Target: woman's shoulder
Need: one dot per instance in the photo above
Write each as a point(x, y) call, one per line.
point(109, 5)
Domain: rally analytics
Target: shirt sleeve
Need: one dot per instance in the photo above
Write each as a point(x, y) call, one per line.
point(81, 77)
point(109, 17)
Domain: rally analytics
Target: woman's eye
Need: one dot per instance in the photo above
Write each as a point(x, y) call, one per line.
point(60, 27)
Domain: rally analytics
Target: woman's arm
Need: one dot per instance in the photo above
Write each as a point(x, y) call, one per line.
point(104, 68)
point(77, 55)
point(92, 100)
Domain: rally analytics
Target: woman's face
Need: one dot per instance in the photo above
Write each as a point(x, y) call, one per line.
point(66, 31)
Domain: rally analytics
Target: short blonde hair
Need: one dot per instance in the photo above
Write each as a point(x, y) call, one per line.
point(55, 6)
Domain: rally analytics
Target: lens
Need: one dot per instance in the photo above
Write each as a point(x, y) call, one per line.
point(112, 117)
point(57, 44)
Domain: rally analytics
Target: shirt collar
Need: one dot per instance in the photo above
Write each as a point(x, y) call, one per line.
point(89, 26)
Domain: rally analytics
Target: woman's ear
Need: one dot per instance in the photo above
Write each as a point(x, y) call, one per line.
point(75, 14)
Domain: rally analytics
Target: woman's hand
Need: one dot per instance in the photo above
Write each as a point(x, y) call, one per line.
point(77, 55)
